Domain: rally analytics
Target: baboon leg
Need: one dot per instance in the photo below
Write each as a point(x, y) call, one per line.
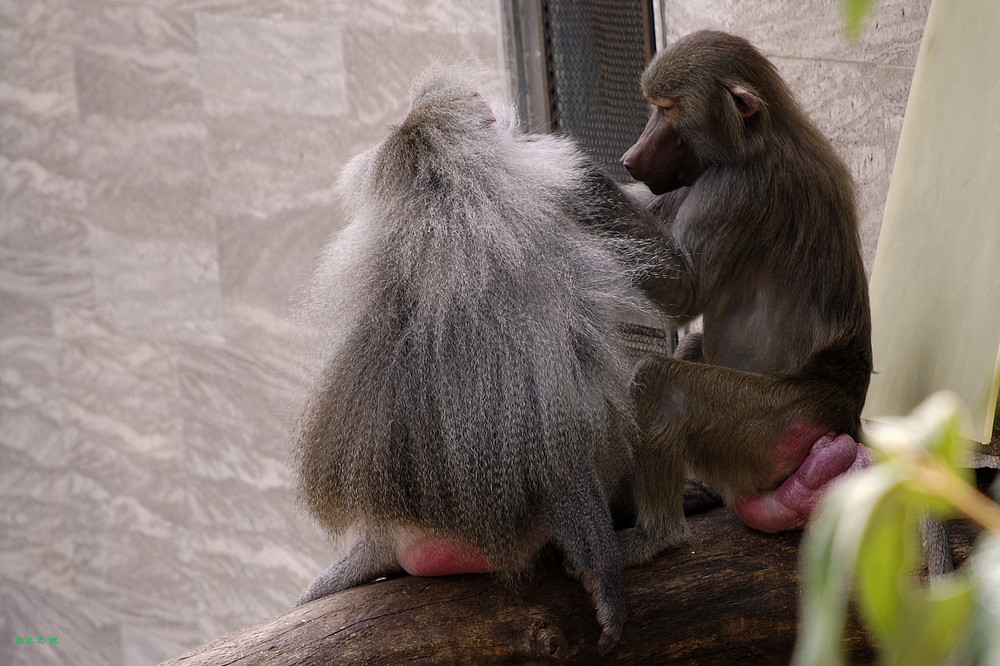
point(689, 348)
point(699, 497)
point(659, 492)
point(372, 555)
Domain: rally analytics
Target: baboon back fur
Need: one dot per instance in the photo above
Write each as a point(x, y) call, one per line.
point(472, 370)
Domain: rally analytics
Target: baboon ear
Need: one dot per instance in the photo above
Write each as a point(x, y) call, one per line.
point(747, 103)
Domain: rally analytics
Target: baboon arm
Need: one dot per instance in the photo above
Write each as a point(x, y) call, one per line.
point(656, 261)
point(672, 284)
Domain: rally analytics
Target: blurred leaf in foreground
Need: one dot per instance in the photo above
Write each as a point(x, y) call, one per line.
point(865, 538)
point(855, 12)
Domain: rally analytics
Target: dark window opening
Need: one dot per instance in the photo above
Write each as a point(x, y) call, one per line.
point(576, 66)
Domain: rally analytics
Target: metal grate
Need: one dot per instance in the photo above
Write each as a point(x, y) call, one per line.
point(597, 50)
point(641, 340)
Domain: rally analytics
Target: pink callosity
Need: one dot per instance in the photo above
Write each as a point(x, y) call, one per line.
point(791, 505)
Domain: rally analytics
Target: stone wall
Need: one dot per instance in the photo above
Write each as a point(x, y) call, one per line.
point(166, 175)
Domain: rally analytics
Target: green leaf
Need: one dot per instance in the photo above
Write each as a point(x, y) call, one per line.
point(855, 12)
point(921, 499)
point(985, 567)
point(937, 622)
point(937, 425)
point(927, 446)
point(886, 558)
point(829, 555)
point(934, 427)
point(865, 532)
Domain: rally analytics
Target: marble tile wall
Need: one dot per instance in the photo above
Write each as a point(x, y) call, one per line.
point(166, 171)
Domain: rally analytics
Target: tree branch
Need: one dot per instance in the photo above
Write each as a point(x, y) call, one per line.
point(729, 595)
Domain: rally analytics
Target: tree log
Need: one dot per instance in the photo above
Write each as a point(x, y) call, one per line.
point(727, 596)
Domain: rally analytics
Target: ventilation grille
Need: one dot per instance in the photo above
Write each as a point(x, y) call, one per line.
point(597, 52)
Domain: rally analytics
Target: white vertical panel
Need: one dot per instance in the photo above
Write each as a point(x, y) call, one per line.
point(935, 285)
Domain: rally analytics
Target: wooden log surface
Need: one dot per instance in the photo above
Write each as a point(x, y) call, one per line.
point(728, 596)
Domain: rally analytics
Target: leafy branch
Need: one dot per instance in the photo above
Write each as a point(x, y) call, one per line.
point(866, 536)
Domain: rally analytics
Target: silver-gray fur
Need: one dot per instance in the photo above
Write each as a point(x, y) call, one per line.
point(474, 386)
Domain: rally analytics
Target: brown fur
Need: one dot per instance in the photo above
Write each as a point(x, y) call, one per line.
point(755, 229)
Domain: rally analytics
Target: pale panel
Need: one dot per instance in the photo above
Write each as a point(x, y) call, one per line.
point(935, 284)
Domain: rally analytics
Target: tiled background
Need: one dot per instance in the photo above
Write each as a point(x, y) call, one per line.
point(166, 171)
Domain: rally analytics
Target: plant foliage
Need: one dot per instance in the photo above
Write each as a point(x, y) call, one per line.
point(865, 538)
